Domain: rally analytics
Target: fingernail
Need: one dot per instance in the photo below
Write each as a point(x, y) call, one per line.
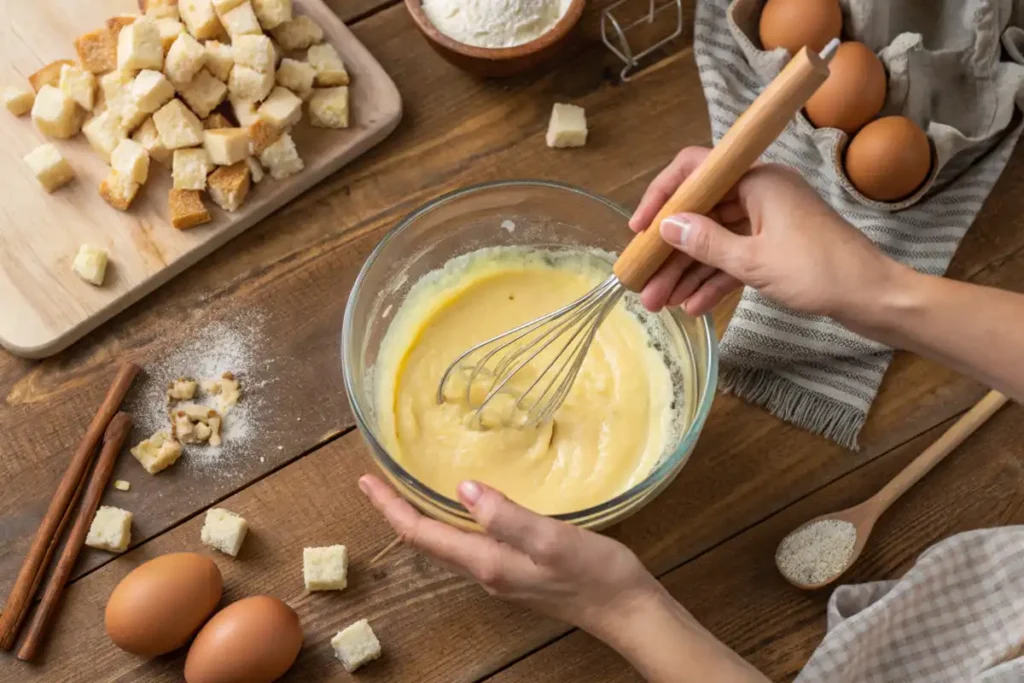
point(470, 492)
point(363, 486)
point(676, 229)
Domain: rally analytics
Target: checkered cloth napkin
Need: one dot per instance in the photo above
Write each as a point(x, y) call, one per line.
point(955, 66)
point(956, 617)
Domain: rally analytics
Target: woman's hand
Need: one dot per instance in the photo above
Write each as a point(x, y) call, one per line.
point(771, 232)
point(577, 576)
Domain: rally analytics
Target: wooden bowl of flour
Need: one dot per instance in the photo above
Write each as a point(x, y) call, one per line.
point(498, 62)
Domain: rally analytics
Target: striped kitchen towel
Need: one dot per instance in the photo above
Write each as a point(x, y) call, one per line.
point(967, 93)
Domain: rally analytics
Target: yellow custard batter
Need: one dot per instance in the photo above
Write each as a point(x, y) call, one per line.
point(614, 426)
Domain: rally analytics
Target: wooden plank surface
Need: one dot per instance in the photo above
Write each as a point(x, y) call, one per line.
point(46, 306)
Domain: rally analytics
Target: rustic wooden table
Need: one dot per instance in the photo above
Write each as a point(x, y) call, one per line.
point(710, 536)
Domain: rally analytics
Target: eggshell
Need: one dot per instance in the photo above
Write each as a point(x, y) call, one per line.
point(853, 93)
point(888, 159)
point(794, 23)
point(254, 640)
point(159, 605)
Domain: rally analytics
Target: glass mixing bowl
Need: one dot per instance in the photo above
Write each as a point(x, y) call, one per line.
point(517, 213)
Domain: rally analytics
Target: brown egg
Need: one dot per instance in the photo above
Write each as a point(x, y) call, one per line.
point(889, 158)
point(161, 603)
point(253, 640)
point(854, 92)
point(794, 23)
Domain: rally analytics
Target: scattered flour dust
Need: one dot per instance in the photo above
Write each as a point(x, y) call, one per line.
point(211, 351)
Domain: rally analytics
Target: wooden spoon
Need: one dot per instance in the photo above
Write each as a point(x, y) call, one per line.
point(864, 515)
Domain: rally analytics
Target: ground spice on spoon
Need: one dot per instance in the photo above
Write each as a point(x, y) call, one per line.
point(817, 552)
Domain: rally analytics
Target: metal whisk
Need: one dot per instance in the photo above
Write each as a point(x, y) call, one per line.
point(535, 364)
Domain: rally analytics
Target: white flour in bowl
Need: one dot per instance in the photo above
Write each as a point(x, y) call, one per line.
point(494, 23)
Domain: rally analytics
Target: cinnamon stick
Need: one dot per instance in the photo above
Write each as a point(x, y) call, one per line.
point(27, 582)
point(113, 439)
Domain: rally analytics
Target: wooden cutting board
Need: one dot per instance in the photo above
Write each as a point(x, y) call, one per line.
point(44, 306)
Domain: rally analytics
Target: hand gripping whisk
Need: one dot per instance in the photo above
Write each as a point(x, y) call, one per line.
point(535, 364)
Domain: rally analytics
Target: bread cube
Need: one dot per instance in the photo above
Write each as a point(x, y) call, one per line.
point(200, 18)
point(113, 84)
point(90, 264)
point(55, 114)
point(119, 190)
point(255, 52)
point(122, 485)
point(187, 209)
point(262, 134)
point(567, 127)
point(149, 137)
point(169, 30)
point(328, 65)
point(272, 13)
point(203, 93)
point(229, 185)
point(223, 530)
point(48, 75)
point(104, 132)
point(223, 6)
point(244, 111)
point(297, 34)
point(116, 23)
point(356, 645)
point(247, 83)
point(158, 452)
point(226, 146)
point(282, 108)
point(185, 58)
point(160, 9)
point(139, 46)
point(131, 160)
point(150, 90)
point(79, 85)
point(178, 126)
point(296, 76)
point(182, 389)
point(19, 101)
point(325, 569)
point(219, 59)
point(97, 50)
point(130, 114)
point(328, 107)
point(49, 167)
point(189, 168)
point(217, 120)
point(255, 169)
point(281, 158)
point(241, 21)
point(111, 529)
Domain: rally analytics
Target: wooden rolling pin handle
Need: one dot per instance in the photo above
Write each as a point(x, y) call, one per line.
point(733, 156)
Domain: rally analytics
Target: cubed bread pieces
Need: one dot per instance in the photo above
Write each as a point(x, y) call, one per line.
point(296, 76)
point(262, 134)
point(226, 146)
point(356, 645)
point(200, 18)
point(184, 60)
point(282, 159)
point(149, 137)
point(90, 264)
point(118, 22)
point(224, 530)
point(160, 9)
point(229, 185)
point(326, 568)
point(79, 85)
point(297, 34)
point(272, 13)
point(255, 169)
point(55, 114)
point(111, 529)
point(189, 168)
point(97, 50)
point(282, 108)
point(18, 100)
point(567, 127)
point(104, 132)
point(131, 160)
point(217, 120)
point(169, 30)
point(139, 46)
point(246, 83)
point(222, 6)
point(187, 209)
point(119, 190)
point(255, 52)
point(219, 59)
point(244, 110)
point(130, 114)
point(49, 167)
point(328, 107)
point(178, 126)
point(158, 452)
point(241, 21)
point(182, 389)
point(150, 90)
point(203, 93)
point(48, 75)
point(328, 65)
point(114, 83)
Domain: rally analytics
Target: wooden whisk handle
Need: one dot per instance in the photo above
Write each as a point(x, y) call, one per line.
point(733, 156)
